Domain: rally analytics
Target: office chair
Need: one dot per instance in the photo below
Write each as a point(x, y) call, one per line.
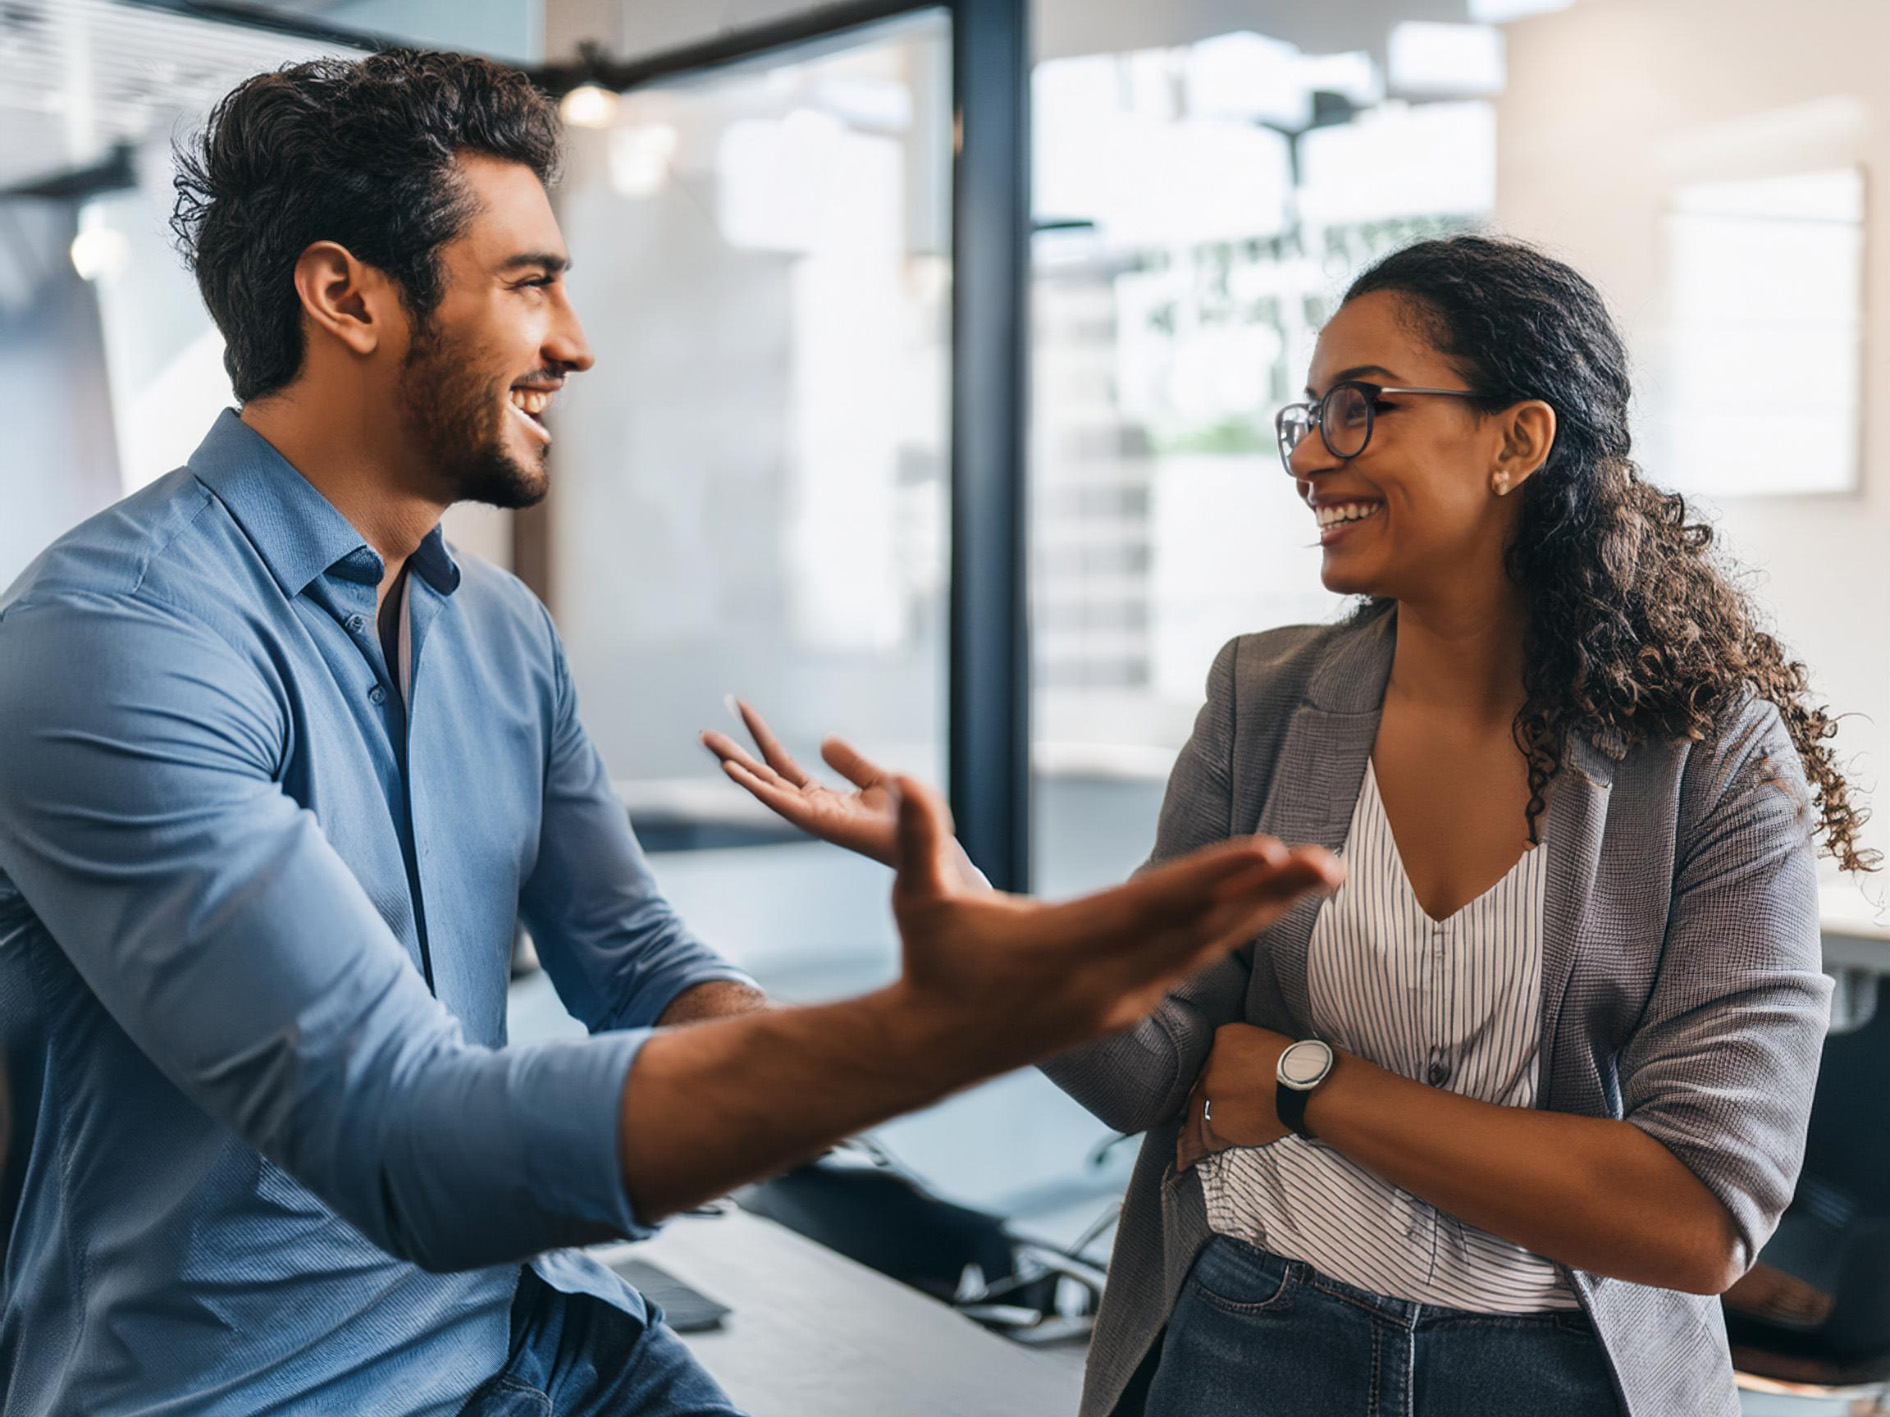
point(1813, 1316)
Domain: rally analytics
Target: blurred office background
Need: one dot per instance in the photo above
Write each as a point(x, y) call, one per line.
point(754, 490)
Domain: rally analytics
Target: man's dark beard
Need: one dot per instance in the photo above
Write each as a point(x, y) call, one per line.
point(460, 422)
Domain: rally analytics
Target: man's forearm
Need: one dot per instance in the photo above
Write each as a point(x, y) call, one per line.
point(725, 1102)
point(989, 983)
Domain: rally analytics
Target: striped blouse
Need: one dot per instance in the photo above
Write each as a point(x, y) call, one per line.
point(1455, 1003)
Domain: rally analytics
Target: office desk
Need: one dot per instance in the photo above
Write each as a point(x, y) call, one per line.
point(815, 1335)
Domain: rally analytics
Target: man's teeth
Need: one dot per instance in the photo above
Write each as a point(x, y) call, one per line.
point(530, 401)
point(1345, 512)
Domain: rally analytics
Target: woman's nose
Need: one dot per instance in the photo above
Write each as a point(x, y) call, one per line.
point(1310, 455)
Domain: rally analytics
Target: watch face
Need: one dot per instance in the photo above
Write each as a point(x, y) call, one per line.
point(1305, 1063)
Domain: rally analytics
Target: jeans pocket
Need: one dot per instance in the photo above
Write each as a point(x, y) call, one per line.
point(508, 1397)
point(1242, 1279)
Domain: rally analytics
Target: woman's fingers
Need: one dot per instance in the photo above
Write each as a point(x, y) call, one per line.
point(778, 757)
point(1191, 1141)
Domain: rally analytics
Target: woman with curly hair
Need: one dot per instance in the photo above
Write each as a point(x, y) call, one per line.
point(1488, 1129)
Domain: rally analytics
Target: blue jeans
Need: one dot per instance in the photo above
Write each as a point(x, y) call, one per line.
point(576, 1356)
point(1260, 1336)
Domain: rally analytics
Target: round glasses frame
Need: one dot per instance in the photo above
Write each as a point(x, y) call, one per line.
point(1351, 405)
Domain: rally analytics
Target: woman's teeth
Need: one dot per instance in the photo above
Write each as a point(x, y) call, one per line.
point(1345, 512)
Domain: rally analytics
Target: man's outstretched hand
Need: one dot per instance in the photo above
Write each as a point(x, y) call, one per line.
point(1020, 979)
point(990, 982)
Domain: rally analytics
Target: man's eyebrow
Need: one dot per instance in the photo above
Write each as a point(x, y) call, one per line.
point(1356, 371)
point(551, 262)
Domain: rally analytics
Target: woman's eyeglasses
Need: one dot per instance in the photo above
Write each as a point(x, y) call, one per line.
point(1343, 417)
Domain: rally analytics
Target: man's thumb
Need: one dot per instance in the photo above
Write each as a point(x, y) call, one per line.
point(924, 829)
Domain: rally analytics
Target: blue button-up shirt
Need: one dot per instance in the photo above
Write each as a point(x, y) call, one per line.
point(270, 1150)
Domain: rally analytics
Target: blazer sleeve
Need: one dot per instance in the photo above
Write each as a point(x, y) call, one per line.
point(1136, 1079)
point(1722, 1066)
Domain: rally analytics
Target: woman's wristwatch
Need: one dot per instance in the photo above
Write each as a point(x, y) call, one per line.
point(1303, 1066)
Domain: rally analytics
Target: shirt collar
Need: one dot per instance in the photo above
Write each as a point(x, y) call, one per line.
point(297, 531)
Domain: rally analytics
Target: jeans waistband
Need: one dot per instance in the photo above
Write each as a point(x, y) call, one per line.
point(1404, 1313)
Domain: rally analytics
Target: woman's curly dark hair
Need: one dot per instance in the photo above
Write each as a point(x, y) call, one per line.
point(1635, 629)
point(356, 151)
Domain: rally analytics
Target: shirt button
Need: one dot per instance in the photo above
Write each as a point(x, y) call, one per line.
point(356, 624)
point(377, 695)
point(1440, 1073)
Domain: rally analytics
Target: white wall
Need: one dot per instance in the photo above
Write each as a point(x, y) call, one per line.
point(58, 464)
point(1613, 102)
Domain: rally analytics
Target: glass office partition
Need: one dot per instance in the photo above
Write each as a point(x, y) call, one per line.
point(751, 486)
point(1201, 203)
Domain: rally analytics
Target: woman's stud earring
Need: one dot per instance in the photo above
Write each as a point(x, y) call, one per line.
point(1500, 484)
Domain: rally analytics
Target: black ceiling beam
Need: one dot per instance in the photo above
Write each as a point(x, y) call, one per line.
point(255, 17)
point(729, 48)
point(115, 174)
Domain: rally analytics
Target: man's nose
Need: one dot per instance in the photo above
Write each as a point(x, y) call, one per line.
point(565, 345)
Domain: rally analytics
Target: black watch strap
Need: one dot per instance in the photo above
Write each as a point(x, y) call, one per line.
point(1289, 1103)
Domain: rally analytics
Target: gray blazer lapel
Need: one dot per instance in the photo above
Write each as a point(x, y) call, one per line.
point(1576, 820)
point(1315, 786)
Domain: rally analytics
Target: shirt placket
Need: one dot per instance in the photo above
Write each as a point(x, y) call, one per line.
point(1438, 1062)
point(351, 598)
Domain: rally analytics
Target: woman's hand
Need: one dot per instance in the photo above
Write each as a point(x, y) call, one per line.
point(1232, 1101)
point(865, 820)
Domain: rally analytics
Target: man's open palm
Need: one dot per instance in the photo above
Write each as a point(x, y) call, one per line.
point(864, 820)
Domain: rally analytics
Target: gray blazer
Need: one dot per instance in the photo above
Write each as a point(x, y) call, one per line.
point(1681, 986)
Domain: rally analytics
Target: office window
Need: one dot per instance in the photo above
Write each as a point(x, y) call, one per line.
point(750, 489)
point(1201, 207)
point(1761, 369)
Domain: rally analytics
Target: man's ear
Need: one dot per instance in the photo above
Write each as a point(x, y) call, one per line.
point(1528, 439)
point(344, 297)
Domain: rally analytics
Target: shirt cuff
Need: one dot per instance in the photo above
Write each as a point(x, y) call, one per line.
point(572, 1108)
point(654, 1001)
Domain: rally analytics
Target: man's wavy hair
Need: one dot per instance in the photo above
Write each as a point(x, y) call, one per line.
point(355, 151)
point(1635, 629)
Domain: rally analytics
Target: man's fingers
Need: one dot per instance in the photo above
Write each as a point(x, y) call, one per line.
point(1286, 871)
point(1185, 888)
point(1187, 938)
point(771, 791)
point(729, 751)
point(924, 829)
point(847, 760)
point(1133, 916)
point(778, 757)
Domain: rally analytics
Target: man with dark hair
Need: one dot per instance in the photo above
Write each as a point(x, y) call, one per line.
point(279, 773)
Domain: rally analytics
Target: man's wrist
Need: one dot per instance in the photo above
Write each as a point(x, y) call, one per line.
point(936, 1040)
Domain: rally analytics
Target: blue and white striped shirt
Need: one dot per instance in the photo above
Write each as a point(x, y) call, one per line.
point(1455, 1003)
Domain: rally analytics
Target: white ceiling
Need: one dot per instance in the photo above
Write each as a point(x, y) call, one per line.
point(78, 76)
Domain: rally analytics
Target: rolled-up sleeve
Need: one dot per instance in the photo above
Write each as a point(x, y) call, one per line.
point(615, 948)
point(1722, 1067)
point(142, 820)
